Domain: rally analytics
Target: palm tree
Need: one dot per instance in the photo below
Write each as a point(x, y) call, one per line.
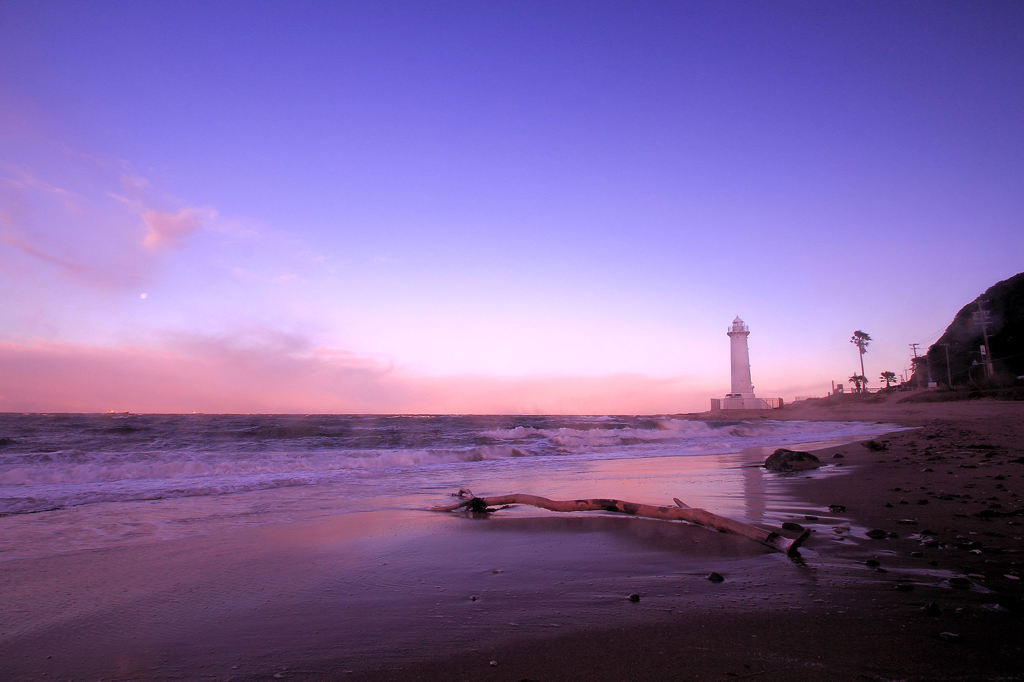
point(861, 340)
point(889, 378)
point(858, 380)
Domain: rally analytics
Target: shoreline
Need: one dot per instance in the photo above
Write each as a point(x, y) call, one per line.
point(398, 594)
point(938, 598)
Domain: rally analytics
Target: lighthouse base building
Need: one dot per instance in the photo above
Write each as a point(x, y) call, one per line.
point(741, 397)
point(740, 402)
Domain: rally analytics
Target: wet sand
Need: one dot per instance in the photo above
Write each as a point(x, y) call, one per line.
point(401, 594)
point(938, 597)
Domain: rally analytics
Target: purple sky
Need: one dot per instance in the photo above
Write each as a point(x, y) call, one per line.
point(491, 207)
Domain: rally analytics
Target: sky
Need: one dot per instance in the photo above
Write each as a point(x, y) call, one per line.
point(493, 207)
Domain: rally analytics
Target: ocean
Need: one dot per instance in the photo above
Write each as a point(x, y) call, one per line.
point(74, 481)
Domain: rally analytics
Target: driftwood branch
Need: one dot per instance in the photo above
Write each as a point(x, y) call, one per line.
point(680, 512)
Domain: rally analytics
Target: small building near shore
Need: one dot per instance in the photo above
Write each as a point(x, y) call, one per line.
point(741, 395)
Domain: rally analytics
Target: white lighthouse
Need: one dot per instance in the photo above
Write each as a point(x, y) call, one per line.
point(740, 356)
point(741, 397)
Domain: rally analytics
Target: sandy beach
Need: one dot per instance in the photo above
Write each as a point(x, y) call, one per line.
point(397, 593)
point(388, 341)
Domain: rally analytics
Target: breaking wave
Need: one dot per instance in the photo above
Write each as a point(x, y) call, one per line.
point(52, 462)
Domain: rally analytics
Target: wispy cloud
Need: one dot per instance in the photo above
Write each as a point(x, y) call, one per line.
point(35, 217)
point(165, 229)
point(162, 228)
point(23, 178)
point(135, 183)
point(72, 267)
point(97, 221)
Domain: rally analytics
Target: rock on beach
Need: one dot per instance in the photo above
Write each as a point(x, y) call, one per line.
point(791, 460)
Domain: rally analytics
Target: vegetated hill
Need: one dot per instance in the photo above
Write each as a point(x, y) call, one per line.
point(1004, 303)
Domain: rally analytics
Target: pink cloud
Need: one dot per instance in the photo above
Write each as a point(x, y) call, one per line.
point(205, 375)
point(282, 373)
point(165, 229)
point(80, 231)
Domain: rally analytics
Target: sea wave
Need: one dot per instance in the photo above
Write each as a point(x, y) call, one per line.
point(100, 469)
point(606, 435)
point(47, 463)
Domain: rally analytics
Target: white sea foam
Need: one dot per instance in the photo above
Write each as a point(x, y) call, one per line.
point(59, 462)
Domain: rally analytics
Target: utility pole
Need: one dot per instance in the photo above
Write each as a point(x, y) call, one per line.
point(949, 374)
point(913, 363)
point(981, 317)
